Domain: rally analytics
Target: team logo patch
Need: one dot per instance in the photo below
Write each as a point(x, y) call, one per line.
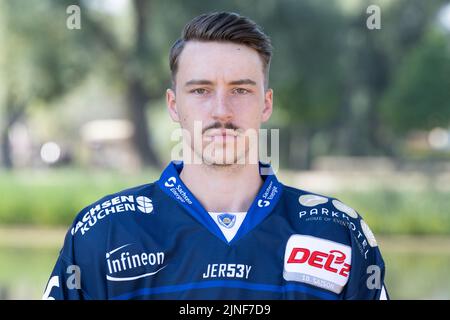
point(227, 220)
point(319, 262)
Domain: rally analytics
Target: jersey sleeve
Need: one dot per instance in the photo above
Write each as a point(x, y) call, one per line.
point(79, 272)
point(65, 280)
point(366, 281)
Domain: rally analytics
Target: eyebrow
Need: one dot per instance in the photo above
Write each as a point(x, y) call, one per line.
point(197, 82)
point(208, 82)
point(243, 81)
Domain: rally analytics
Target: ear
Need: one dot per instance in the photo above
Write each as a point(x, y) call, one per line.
point(268, 104)
point(172, 105)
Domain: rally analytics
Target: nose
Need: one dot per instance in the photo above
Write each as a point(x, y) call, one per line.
point(222, 110)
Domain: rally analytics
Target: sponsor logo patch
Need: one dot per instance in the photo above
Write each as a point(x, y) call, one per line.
point(267, 196)
point(311, 200)
point(116, 205)
point(177, 190)
point(170, 182)
point(125, 263)
point(344, 208)
point(263, 203)
point(144, 204)
point(369, 234)
point(319, 262)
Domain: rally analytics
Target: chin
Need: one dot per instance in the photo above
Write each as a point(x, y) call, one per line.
point(221, 161)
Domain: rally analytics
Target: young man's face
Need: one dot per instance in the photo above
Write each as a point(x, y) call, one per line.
point(220, 85)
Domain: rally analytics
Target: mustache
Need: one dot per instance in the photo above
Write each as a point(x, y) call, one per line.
point(218, 125)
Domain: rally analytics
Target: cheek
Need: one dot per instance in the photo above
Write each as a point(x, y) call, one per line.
point(185, 110)
point(191, 114)
point(248, 110)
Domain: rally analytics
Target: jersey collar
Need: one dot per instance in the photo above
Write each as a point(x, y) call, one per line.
point(265, 201)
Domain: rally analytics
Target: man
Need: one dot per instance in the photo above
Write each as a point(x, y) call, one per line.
point(219, 225)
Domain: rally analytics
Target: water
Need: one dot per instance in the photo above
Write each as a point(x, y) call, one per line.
point(24, 272)
point(417, 275)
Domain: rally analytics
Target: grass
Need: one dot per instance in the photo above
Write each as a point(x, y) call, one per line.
point(398, 212)
point(24, 272)
point(54, 197)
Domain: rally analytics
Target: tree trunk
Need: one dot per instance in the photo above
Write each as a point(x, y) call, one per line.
point(6, 149)
point(14, 112)
point(300, 148)
point(136, 92)
point(137, 100)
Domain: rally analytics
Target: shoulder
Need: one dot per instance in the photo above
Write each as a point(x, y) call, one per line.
point(112, 217)
point(329, 218)
point(126, 203)
point(336, 241)
point(310, 202)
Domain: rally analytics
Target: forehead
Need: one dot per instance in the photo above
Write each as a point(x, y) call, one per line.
point(219, 60)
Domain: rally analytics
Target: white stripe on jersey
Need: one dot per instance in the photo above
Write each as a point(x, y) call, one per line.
point(383, 294)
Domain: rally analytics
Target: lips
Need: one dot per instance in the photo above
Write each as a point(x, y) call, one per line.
point(223, 133)
point(220, 135)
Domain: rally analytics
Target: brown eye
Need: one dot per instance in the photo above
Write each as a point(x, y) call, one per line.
point(240, 91)
point(199, 91)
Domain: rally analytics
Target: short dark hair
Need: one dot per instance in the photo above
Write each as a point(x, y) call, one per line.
point(226, 27)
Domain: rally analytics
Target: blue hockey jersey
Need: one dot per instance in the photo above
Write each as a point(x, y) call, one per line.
point(156, 241)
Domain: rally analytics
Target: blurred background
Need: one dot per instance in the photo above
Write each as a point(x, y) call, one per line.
point(363, 113)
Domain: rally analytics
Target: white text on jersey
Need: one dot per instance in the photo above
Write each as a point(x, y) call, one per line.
point(227, 270)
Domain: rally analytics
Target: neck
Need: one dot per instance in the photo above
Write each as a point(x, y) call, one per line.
point(223, 188)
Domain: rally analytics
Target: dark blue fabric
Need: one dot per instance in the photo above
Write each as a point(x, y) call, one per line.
point(156, 241)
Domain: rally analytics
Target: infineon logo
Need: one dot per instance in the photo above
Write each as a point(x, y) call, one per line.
point(126, 264)
point(318, 262)
point(119, 204)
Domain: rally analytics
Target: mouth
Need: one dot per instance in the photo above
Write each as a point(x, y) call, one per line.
point(220, 135)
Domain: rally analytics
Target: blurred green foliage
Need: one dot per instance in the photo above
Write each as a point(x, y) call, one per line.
point(418, 97)
point(356, 91)
point(55, 197)
point(402, 212)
